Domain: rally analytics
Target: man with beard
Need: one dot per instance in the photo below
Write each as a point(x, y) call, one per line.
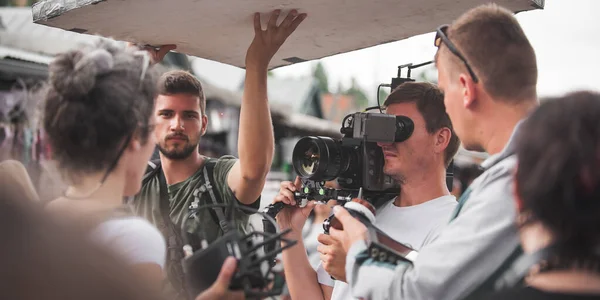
point(183, 178)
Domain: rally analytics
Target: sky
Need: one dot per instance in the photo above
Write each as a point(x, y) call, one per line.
point(564, 35)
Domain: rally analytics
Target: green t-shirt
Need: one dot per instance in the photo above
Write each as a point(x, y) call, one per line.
point(147, 202)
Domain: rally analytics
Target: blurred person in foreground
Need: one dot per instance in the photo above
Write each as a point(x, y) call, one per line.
point(557, 187)
point(487, 70)
point(414, 217)
point(97, 117)
point(44, 259)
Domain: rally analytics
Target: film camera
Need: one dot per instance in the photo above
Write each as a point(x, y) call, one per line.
point(356, 161)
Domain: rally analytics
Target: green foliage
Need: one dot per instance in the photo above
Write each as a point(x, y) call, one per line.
point(383, 94)
point(321, 75)
point(359, 95)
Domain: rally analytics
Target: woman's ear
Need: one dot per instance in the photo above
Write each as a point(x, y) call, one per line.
point(135, 143)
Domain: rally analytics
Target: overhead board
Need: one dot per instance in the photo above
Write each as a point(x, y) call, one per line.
point(222, 30)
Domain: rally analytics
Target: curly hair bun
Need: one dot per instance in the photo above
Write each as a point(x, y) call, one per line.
point(73, 74)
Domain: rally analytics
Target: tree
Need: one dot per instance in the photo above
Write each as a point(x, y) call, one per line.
point(358, 94)
point(321, 75)
point(340, 88)
point(383, 94)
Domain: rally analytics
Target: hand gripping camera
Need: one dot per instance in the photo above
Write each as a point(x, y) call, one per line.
point(382, 247)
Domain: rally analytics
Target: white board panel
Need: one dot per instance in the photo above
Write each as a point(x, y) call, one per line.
point(222, 30)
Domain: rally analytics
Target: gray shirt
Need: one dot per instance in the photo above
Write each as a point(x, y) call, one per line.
point(474, 245)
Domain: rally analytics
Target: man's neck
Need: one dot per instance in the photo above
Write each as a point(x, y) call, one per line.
point(178, 170)
point(417, 190)
point(500, 123)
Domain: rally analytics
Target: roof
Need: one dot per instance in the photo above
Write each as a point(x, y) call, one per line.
point(336, 107)
point(19, 32)
point(294, 94)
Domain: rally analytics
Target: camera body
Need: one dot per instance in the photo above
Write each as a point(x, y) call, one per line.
point(355, 160)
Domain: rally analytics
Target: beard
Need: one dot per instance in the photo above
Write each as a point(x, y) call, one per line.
point(179, 152)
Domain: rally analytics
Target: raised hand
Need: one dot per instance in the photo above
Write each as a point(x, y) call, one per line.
point(156, 55)
point(267, 42)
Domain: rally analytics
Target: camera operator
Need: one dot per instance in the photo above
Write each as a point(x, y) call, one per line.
point(557, 187)
point(414, 217)
point(184, 176)
point(487, 70)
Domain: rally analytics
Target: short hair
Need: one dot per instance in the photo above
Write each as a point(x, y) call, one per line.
point(182, 82)
point(558, 173)
point(96, 98)
point(497, 49)
point(429, 100)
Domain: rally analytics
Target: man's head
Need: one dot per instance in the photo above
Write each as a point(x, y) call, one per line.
point(433, 143)
point(484, 61)
point(180, 114)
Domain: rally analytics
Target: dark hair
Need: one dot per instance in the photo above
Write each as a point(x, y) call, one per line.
point(182, 82)
point(430, 103)
point(42, 258)
point(97, 97)
point(496, 47)
point(558, 174)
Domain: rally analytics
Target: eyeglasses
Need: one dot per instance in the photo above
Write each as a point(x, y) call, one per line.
point(440, 37)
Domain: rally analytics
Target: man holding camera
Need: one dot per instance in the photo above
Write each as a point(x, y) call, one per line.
point(414, 217)
point(487, 70)
point(186, 179)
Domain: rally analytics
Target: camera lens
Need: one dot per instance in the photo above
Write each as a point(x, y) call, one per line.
point(318, 158)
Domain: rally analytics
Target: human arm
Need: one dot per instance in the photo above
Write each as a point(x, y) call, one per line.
point(300, 276)
point(465, 253)
point(139, 243)
point(255, 138)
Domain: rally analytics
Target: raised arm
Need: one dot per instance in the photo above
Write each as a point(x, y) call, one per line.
point(256, 140)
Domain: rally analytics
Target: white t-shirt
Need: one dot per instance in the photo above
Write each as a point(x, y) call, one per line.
point(414, 226)
point(133, 238)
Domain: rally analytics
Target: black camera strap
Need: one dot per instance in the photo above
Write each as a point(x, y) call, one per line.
point(174, 241)
point(215, 197)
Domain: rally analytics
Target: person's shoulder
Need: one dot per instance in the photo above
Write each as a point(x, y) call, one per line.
point(134, 237)
point(130, 227)
point(223, 164)
point(225, 160)
point(503, 169)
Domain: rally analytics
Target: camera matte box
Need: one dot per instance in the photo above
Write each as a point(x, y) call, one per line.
point(222, 30)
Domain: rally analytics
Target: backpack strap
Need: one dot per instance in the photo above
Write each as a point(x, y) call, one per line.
point(215, 197)
point(151, 170)
point(170, 232)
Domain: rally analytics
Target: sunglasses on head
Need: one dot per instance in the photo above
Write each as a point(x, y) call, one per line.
point(442, 37)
